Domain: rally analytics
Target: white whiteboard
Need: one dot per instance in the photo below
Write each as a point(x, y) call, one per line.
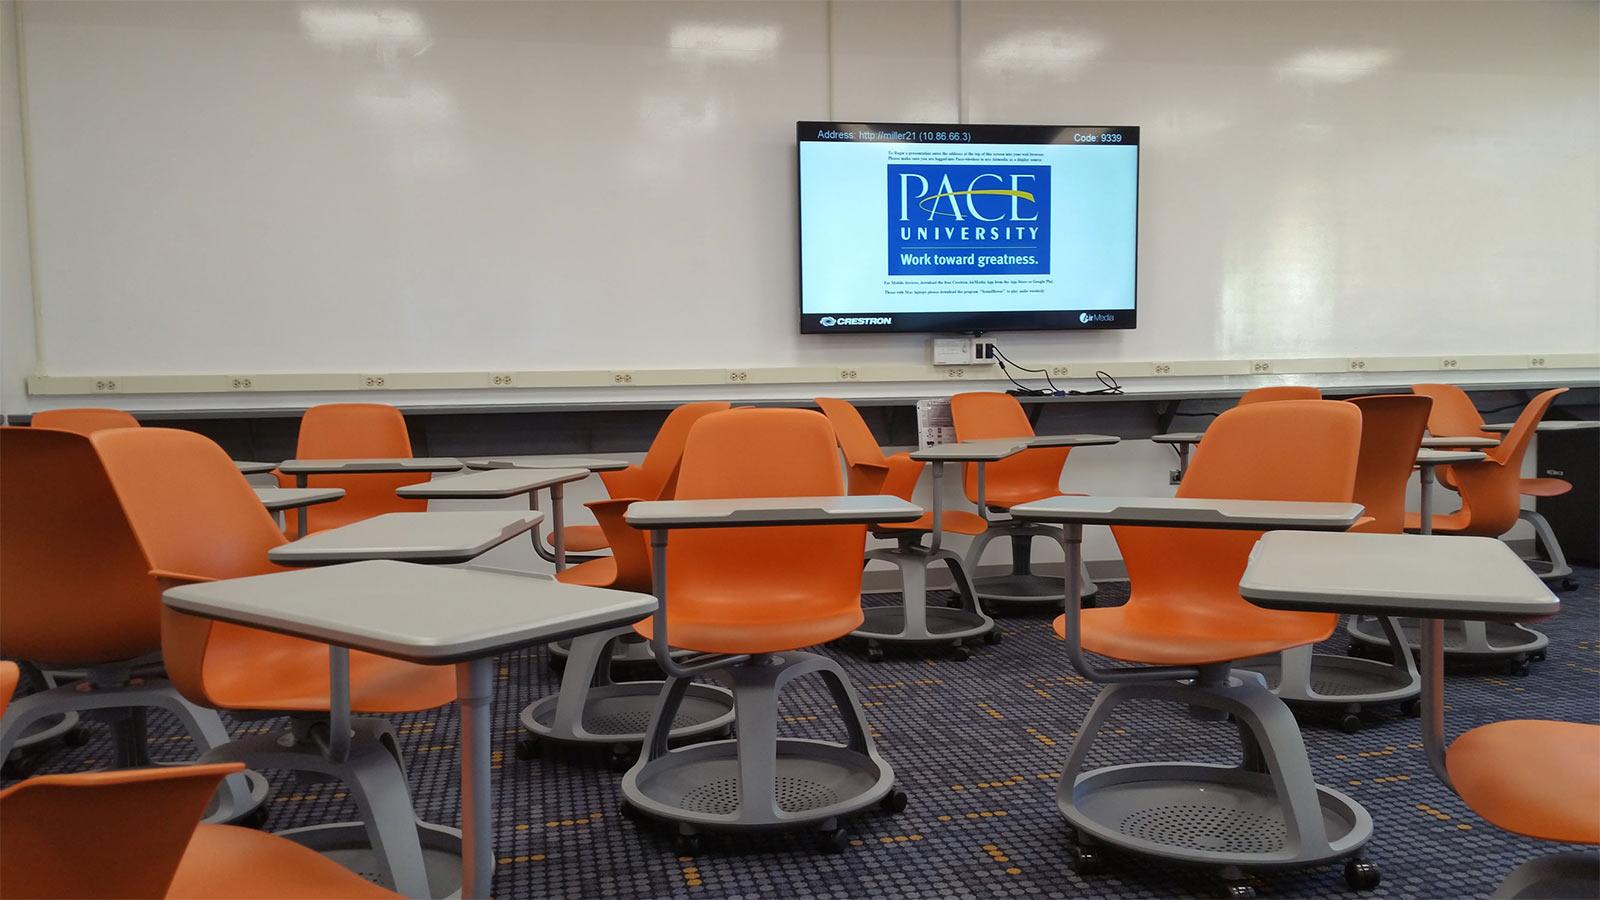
point(304, 187)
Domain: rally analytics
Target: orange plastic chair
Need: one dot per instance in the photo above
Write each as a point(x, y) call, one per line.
point(649, 479)
point(86, 420)
point(911, 623)
point(197, 520)
point(1033, 474)
point(1280, 392)
point(1455, 415)
point(1186, 619)
point(353, 431)
point(1392, 426)
point(1184, 606)
point(1490, 489)
point(753, 596)
point(75, 593)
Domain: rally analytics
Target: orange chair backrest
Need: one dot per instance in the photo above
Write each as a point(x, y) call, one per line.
point(762, 576)
point(102, 834)
point(1280, 392)
point(354, 431)
point(660, 465)
point(1454, 414)
point(861, 451)
point(1306, 450)
point(74, 588)
point(86, 420)
point(195, 516)
point(982, 415)
point(1391, 431)
point(1491, 491)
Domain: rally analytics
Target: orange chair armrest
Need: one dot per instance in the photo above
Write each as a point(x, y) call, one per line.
point(623, 482)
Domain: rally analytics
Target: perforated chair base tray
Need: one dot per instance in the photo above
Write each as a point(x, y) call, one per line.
point(1026, 589)
point(887, 624)
point(1499, 640)
point(1199, 814)
point(1547, 570)
point(1340, 681)
point(620, 713)
point(346, 844)
point(699, 786)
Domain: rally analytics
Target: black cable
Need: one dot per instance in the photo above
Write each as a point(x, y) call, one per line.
point(1000, 354)
point(1027, 391)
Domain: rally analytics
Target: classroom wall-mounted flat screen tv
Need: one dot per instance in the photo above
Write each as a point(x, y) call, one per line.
point(956, 228)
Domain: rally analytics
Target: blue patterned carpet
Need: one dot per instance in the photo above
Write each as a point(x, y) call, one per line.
point(978, 745)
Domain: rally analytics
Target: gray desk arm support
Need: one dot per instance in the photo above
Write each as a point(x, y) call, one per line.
point(659, 643)
point(337, 745)
point(1432, 671)
point(1072, 550)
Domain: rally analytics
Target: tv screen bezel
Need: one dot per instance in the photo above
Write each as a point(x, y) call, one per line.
point(967, 321)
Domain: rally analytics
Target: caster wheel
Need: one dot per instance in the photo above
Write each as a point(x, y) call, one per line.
point(20, 765)
point(1520, 668)
point(76, 737)
point(1569, 584)
point(1238, 889)
point(1411, 708)
point(622, 757)
point(257, 818)
point(1536, 656)
point(833, 840)
point(992, 636)
point(629, 812)
point(960, 653)
point(875, 654)
point(527, 748)
point(1086, 860)
point(686, 844)
point(1350, 723)
point(894, 801)
point(1361, 875)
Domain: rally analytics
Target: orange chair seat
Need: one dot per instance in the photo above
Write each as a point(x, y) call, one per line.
point(957, 520)
point(229, 863)
point(750, 627)
point(601, 573)
point(580, 538)
point(249, 669)
point(1450, 523)
point(1543, 487)
point(1136, 633)
point(1003, 498)
point(1537, 778)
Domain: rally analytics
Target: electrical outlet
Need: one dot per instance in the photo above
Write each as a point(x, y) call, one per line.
point(241, 383)
point(1260, 367)
point(373, 381)
point(1060, 371)
point(983, 351)
point(623, 378)
point(1536, 362)
point(955, 372)
point(1449, 363)
point(501, 379)
point(1356, 365)
point(1161, 368)
point(105, 386)
point(847, 374)
point(738, 376)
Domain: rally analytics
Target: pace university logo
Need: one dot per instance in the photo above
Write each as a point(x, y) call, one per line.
point(969, 220)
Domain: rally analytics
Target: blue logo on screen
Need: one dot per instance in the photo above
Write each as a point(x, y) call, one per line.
point(969, 220)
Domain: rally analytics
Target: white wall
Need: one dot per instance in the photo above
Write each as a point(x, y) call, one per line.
point(16, 267)
point(391, 187)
